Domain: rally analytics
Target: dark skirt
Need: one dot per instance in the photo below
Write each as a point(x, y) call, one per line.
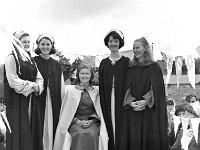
point(140, 130)
point(84, 139)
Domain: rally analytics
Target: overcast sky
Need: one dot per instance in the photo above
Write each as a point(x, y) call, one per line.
point(79, 26)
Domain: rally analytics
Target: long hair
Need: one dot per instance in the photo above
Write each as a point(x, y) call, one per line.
point(148, 55)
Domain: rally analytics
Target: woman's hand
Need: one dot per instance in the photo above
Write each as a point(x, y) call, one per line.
point(139, 105)
point(142, 103)
point(134, 105)
point(84, 123)
point(35, 87)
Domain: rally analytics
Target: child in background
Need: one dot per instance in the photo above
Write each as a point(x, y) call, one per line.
point(185, 139)
point(170, 112)
point(191, 98)
point(171, 104)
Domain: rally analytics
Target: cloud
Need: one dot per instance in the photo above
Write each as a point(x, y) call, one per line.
point(75, 10)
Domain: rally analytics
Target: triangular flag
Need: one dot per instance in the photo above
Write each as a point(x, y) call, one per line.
point(164, 56)
point(185, 122)
point(169, 68)
point(185, 140)
point(190, 62)
point(196, 107)
point(177, 121)
point(178, 63)
point(195, 127)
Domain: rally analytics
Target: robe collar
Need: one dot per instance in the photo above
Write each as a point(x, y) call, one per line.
point(83, 87)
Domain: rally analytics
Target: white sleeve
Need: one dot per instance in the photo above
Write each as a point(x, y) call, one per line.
point(24, 87)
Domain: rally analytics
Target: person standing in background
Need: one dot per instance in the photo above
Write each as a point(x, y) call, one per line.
point(112, 71)
point(50, 99)
point(22, 84)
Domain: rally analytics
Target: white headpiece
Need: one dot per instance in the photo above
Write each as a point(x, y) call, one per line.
point(118, 32)
point(19, 34)
point(45, 35)
point(19, 51)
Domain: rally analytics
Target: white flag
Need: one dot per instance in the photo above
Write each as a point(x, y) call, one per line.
point(185, 123)
point(177, 121)
point(185, 140)
point(169, 68)
point(178, 63)
point(190, 62)
point(195, 127)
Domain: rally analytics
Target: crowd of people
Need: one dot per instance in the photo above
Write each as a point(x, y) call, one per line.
point(184, 124)
point(127, 111)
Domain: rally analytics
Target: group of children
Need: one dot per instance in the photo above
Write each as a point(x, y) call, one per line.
point(184, 124)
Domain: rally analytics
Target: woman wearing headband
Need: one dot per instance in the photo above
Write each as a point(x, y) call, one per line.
point(22, 84)
point(81, 125)
point(112, 73)
point(145, 115)
point(50, 99)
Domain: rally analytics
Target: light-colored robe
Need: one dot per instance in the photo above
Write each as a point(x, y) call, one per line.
point(68, 109)
point(48, 118)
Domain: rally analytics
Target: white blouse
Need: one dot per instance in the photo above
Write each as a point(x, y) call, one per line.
point(24, 87)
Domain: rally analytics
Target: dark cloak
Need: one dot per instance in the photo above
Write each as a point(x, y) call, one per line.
point(146, 129)
point(106, 73)
point(51, 71)
point(24, 135)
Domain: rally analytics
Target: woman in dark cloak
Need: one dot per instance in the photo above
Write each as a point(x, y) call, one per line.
point(145, 116)
point(22, 84)
point(112, 73)
point(50, 99)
